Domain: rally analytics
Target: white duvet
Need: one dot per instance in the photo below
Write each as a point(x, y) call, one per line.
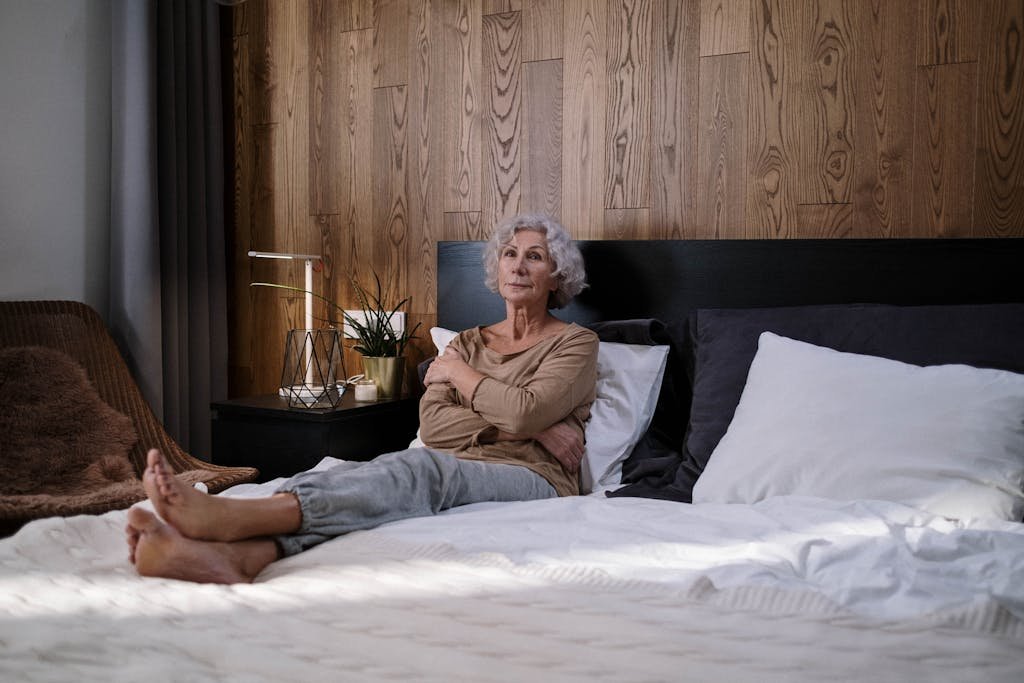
point(585, 588)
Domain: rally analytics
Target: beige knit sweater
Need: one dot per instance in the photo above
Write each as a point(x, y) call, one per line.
point(522, 393)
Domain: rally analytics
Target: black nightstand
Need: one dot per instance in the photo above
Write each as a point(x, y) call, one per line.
point(263, 432)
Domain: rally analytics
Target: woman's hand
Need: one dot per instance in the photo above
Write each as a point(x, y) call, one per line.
point(443, 367)
point(565, 443)
point(451, 369)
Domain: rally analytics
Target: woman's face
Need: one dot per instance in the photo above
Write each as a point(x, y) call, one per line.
point(524, 269)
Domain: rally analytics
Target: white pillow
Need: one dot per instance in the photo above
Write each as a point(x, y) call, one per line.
point(813, 421)
point(628, 383)
point(441, 337)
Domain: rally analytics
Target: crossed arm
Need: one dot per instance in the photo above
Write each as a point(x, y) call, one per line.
point(505, 413)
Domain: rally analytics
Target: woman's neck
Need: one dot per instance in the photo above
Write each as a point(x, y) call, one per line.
point(521, 330)
point(524, 324)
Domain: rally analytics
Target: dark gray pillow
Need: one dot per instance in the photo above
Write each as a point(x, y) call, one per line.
point(659, 449)
point(724, 342)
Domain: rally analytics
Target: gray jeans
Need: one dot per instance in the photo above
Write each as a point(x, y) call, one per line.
point(417, 482)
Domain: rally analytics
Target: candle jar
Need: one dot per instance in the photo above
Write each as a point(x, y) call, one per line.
point(366, 390)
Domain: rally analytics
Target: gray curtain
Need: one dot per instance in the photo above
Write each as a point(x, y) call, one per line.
point(168, 307)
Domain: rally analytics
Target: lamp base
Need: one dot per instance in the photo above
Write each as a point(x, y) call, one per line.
point(303, 396)
point(313, 364)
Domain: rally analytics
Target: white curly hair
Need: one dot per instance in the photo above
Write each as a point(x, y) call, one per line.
point(569, 270)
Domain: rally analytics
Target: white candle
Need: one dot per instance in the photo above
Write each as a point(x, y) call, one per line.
point(366, 390)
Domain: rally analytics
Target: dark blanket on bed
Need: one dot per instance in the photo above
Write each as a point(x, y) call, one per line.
point(713, 351)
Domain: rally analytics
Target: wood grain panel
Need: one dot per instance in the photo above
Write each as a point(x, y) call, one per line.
point(239, 238)
point(948, 31)
point(943, 144)
point(773, 115)
point(999, 175)
point(722, 155)
point(501, 185)
point(825, 221)
point(627, 224)
point(353, 15)
point(462, 105)
point(724, 27)
point(262, 40)
point(495, 7)
point(390, 215)
point(272, 314)
point(844, 135)
point(542, 29)
point(353, 129)
point(390, 252)
point(465, 225)
point(240, 16)
point(426, 151)
point(542, 135)
point(629, 107)
point(827, 144)
point(390, 43)
point(292, 95)
point(242, 151)
point(583, 118)
point(294, 228)
point(325, 168)
point(674, 111)
point(332, 267)
point(885, 84)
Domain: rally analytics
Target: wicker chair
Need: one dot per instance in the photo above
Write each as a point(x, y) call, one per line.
point(78, 331)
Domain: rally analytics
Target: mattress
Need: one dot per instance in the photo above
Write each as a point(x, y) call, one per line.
point(572, 589)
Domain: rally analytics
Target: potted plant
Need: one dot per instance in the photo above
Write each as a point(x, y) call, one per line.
point(381, 347)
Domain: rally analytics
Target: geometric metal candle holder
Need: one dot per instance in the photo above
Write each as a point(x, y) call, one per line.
point(313, 364)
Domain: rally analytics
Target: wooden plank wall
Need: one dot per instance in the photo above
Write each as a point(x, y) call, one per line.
point(367, 130)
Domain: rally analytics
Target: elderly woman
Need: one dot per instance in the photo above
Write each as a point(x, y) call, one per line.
point(502, 420)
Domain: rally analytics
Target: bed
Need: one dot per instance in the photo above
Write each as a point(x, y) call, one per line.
point(815, 549)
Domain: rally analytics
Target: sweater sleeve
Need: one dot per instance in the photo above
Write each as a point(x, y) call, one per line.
point(562, 381)
point(447, 425)
point(447, 421)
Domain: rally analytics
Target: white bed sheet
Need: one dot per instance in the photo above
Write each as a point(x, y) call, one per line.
point(875, 558)
point(585, 588)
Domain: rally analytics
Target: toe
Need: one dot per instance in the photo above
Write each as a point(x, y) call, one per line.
point(142, 520)
point(166, 482)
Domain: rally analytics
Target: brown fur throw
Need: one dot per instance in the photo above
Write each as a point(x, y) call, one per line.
point(63, 450)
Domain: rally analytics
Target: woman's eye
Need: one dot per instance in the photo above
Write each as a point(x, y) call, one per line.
point(534, 256)
point(509, 253)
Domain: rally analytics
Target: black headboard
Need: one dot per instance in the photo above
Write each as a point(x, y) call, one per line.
point(666, 279)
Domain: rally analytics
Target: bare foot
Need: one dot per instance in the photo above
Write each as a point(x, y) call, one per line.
point(203, 517)
point(159, 550)
point(132, 537)
point(195, 514)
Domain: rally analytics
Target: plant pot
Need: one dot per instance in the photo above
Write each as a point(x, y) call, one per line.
point(313, 364)
point(387, 372)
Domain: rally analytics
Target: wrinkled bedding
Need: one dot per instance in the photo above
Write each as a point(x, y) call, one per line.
point(586, 588)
